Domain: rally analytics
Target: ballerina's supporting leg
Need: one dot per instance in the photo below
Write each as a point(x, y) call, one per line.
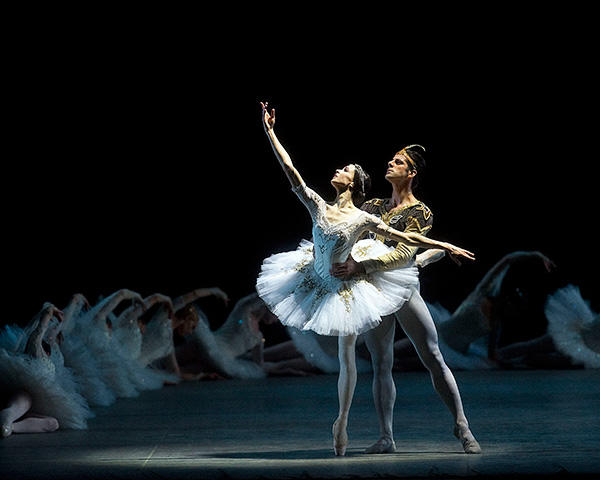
point(420, 328)
point(346, 385)
point(380, 342)
point(18, 406)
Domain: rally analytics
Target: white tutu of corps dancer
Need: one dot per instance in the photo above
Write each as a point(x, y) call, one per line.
point(222, 352)
point(51, 386)
point(302, 298)
point(574, 327)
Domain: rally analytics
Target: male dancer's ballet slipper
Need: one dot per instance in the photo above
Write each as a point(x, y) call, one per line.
point(470, 445)
point(340, 440)
point(383, 445)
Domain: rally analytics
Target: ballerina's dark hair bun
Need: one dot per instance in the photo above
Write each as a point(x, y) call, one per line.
point(362, 185)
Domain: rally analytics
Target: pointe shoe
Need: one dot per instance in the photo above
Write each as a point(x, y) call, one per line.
point(6, 430)
point(340, 440)
point(470, 445)
point(383, 445)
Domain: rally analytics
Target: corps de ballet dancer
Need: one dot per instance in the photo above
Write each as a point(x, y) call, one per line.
point(177, 317)
point(300, 290)
point(235, 349)
point(40, 394)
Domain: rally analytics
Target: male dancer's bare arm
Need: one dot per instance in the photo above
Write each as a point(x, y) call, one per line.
point(428, 257)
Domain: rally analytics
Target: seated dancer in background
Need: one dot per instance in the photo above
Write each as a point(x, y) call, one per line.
point(467, 338)
point(404, 212)
point(79, 358)
point(93, 329)
point(235, 349)
point(181, 317)
point(35, 397)
point(300, 290)
point(572, 337)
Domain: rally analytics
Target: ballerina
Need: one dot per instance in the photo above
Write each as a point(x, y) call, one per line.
point(179, 317)
point(79, 358)
point(300, 290)
point(233, 350)
point(38, 400)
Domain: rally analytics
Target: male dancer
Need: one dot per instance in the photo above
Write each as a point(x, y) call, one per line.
point(404, 212)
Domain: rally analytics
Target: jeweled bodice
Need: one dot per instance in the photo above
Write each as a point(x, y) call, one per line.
point(333, 242)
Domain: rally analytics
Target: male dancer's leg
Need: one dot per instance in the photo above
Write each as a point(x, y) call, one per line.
point(380, 342)
point(416, 321)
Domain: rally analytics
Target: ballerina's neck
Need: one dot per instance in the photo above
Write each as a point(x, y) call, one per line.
point(335, 214)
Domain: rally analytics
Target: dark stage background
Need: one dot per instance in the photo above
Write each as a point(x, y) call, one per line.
point(125, 170)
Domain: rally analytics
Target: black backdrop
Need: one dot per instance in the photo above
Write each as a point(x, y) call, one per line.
point(127, 170)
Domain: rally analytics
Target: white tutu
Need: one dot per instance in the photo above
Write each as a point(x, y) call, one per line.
point(157, 341)
point(574, 328)
point(301, 298)
point(218, 353)
point(112, 368)
point(52, 386)
point(37, 377)
point(86, 367)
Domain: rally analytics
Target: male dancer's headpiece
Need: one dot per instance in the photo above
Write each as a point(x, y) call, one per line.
point(413, 155)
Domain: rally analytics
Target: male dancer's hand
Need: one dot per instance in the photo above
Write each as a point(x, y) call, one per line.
point(347, 269)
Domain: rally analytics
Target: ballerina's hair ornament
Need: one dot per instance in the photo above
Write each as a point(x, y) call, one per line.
point(405, 151)
point(362, 183)
point(361, 177)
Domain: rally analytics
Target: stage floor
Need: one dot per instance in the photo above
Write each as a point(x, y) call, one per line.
point(527, 422)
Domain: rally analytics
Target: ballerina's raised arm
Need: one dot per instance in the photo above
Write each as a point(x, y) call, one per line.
point(284, 159)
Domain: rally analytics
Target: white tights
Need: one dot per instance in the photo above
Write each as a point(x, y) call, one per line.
point(347, 375)
point(16, 417)
point(416, 321)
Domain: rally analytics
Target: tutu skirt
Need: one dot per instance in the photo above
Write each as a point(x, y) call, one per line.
point(574, 327)
point(38, 377)
point(293, 290)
